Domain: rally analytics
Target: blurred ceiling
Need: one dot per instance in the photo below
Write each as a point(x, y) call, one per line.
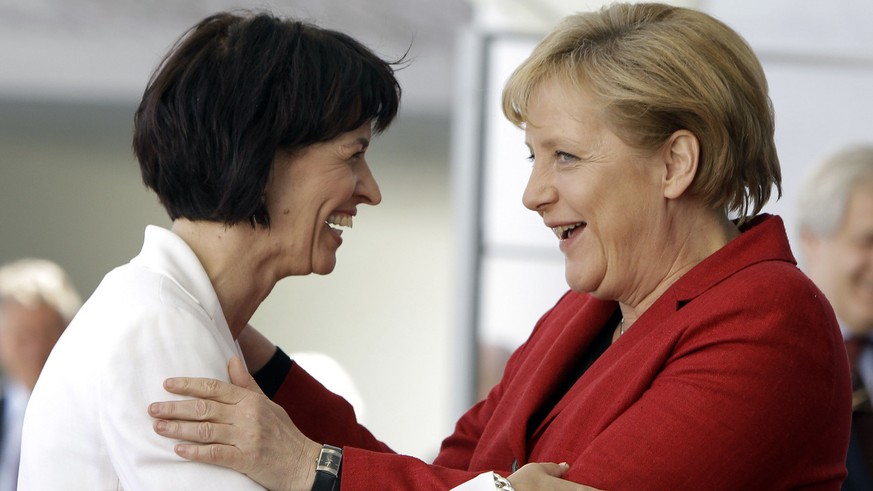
point(105, 50)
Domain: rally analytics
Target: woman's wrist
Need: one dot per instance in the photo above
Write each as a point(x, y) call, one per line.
point(257, 350)
point(272, 375)
point(308, 461)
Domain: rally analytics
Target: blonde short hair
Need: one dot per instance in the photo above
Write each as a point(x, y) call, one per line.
point(35, 282)
point(659, 69)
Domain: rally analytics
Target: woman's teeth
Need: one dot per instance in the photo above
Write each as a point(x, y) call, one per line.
point(563, 231)
point(334, 221)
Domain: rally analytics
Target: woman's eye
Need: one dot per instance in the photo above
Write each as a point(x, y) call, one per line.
point(564, 157)
point(531, 157)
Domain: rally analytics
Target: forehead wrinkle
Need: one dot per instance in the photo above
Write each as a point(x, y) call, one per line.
point(577, 105)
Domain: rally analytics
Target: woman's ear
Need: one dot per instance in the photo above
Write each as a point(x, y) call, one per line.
point(681, 155)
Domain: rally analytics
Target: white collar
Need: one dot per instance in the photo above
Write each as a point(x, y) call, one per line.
point(166, 253)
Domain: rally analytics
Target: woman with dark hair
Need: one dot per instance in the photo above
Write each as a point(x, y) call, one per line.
point(253, 134)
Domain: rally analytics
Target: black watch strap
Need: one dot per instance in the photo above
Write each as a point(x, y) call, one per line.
point(327, 469)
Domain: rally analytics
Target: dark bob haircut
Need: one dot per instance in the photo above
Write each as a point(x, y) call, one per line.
point(235, 89)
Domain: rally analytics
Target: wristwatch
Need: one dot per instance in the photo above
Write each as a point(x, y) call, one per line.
point(327, 469)
point(501, 483)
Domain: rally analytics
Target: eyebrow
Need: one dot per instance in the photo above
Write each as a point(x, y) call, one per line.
point(360, 141)
point(549, 143)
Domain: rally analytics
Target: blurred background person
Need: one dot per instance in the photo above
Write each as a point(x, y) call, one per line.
point(37, 301)
point(835, 223)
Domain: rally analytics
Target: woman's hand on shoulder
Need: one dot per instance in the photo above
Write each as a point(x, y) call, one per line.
point(236, 426)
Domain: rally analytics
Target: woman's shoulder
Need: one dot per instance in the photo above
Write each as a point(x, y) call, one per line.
point(133, 310)
point(768, 305)
point(779, 283)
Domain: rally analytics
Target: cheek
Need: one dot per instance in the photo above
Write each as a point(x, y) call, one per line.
point(25, 347)
point(294, 217)
point(40, 341)
point(847, 259)
point(7, 349)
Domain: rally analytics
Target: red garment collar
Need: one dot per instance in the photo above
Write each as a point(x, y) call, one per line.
point(762, 239)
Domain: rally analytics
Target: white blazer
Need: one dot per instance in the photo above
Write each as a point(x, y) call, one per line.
point(87, 425)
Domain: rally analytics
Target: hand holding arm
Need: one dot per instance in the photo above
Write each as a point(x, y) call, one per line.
point(531, 477)
point(542, 476)
point(236, 426)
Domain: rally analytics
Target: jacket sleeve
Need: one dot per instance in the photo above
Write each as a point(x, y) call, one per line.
point(322, 415)
point(367, 462)
point(458, 449)
point(141, 458)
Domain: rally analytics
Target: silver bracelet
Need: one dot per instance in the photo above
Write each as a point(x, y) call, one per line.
point(501, 482)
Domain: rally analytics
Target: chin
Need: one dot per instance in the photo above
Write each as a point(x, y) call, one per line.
point(578, 280)
point(586, 284)
point(579, 286)
point(323, 269)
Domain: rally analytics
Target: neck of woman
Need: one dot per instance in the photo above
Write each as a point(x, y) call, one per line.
point(229, 254)
point(690, 239)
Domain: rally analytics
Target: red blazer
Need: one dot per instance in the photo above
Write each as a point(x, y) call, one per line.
point(736, 378)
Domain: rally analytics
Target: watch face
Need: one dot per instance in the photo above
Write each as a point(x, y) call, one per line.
point(329, 459)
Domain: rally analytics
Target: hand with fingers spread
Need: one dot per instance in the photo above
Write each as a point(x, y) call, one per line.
point(236, 426)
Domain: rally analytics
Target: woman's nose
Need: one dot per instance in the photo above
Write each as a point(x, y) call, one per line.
point(368, 189)
point(539, 193)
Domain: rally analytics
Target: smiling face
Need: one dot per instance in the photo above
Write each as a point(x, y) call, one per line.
point(603, 199)
point(842, 265)
point(311, 193)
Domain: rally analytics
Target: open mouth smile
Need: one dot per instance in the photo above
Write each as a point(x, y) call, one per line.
point(334, 221)
point(563, 232)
